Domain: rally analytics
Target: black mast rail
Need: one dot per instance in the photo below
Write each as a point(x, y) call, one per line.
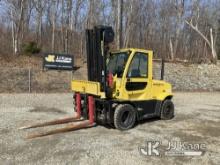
point(97, 40)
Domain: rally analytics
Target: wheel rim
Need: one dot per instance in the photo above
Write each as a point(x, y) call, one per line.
point(167, 110)
point(126, 118)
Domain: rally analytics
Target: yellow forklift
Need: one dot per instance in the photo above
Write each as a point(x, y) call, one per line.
point(120, 89)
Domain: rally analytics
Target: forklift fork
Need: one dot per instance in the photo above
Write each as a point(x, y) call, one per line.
point(79, 122)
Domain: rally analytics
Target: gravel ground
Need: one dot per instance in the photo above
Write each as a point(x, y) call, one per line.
point(197, 120)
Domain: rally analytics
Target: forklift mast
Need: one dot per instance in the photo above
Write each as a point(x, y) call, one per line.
point(97, 45)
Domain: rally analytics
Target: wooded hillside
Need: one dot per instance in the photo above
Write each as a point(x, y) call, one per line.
point(175, 29)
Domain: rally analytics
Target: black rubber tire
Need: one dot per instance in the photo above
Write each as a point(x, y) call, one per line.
point(124, 116)
point(167, 110)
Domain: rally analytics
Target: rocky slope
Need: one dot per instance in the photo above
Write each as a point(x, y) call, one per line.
point(14, 76)
point(203, 77)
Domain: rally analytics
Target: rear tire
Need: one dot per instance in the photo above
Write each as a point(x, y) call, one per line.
point(124, 116)
point(167, 110)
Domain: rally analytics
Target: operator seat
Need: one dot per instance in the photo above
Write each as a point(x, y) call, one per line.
point(135, 73)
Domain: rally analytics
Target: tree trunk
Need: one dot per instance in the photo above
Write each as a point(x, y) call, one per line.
point(53, 25)
point(119, 23)
point(39, 29)
point(62, 26)
point(129, 26)
point(16, 45)
point(18, 28)
point(171, 50)
point(214, 54)
point(66, 41)
point(90, 16)
point(53, 36)
point(210, 43)
point(180, 11)
point(13, 34)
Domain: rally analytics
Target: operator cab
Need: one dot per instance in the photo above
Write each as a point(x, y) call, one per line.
point(116, 64)
point(132, 72)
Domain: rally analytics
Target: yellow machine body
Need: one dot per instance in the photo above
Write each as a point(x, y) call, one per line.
point(154, 90)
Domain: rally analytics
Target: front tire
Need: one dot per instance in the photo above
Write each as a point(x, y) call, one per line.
point(124, 116)
point(167, 110)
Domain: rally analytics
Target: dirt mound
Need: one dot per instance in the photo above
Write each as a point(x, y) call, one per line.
point(21, 61)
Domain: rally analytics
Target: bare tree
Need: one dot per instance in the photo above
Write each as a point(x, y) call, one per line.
point(16, 10)
point(39, 6)
point(129, 22)
point(91, 19)
point(55, 4)
point(210, 42)
point(179, 7)
point(194, 26)
point(59, 25)
point(119, 23)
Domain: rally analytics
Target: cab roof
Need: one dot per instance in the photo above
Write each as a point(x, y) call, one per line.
point(132, 49)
